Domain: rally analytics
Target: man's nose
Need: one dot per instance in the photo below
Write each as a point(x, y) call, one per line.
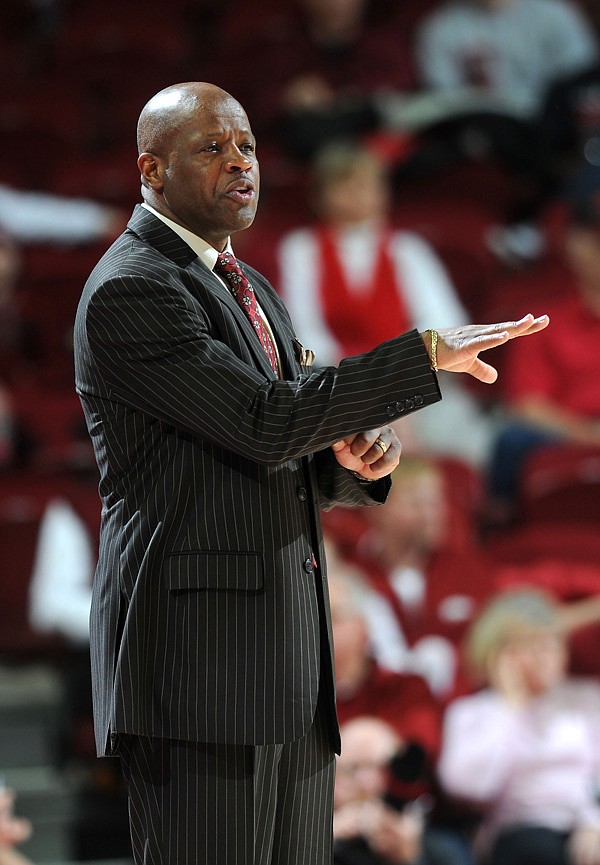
point(236, 160)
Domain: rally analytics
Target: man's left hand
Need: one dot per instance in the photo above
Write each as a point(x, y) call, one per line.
point(372, 454)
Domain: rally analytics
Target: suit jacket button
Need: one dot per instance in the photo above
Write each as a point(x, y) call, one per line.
point(410, 404)
point(302, 494)
point(419, 400)
point(391, 410)
point(308, 566)
point(400, 407)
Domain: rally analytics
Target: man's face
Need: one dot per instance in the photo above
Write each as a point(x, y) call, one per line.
point(210, 176)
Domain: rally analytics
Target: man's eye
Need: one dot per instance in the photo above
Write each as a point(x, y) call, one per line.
point(211, 147)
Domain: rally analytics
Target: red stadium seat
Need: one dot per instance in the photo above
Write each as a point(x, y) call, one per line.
point(561, 484)
point(534, 542)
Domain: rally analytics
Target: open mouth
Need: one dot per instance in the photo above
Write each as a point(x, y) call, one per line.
point(242, 192)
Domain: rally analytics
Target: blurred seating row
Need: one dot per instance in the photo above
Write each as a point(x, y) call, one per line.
point(24, 497)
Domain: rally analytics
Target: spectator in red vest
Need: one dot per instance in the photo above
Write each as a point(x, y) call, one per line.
point(352, 280)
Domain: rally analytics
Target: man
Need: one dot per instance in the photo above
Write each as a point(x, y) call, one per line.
point(210, 632)
point(367, 830)
point(371, 825)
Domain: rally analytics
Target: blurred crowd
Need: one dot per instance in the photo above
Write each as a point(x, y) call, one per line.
point(424, 163)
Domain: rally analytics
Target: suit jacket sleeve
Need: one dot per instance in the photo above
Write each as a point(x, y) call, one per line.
point(155, 349)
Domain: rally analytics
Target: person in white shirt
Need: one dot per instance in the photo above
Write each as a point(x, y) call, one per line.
point(29, 216)
point(507, 52)
point(61, 583)
point(352, 280)
point(525, 748)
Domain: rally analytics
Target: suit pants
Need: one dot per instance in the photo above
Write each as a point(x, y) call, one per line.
point(204, 804)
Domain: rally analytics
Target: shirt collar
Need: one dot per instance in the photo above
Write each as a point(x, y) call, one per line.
point(205, 252)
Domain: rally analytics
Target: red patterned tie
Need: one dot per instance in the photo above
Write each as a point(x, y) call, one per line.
point(228, 267)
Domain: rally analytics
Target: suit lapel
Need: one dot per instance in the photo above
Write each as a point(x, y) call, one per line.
point(224, 294)
point(158, 235)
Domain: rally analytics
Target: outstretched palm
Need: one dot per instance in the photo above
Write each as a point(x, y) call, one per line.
point(458, 348)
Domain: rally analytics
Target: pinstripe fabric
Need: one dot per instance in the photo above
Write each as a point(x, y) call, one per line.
point(208, 621)
point(185, 799)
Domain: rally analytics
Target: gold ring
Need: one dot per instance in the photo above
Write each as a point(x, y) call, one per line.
point(382, 445)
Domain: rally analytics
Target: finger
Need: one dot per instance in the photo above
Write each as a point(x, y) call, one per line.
point(483, 371)
point(521, 327)
point(474, 344)
point(386, 462)
point(524, 326)
point(516, 326)
point(487, 341)
point(536, 325)
point(363, 443)
point(342, 443)
point(386, 437)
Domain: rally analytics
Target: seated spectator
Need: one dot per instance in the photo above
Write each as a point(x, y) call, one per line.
point(61, 583)
point(7, 429)
point(367, 828)
point(402, 700)
point(36, 328)
point(571, 117)
point(11, 326)
point(352, 280)
point(506, 51)
point(14, 347)
point(525, 748)
point(13, 830)
point(429, 587)
point(321, 73)
point(487, 65)
point(59, 603)
point(552, 395)
point(41, 217)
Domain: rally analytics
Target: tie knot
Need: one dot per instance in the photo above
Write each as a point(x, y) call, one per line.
point(227, 265)
point(227, 262)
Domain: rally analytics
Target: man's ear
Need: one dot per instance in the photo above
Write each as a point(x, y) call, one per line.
point(150, 170)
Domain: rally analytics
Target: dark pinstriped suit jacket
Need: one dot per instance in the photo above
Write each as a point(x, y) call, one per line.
point(206, 610)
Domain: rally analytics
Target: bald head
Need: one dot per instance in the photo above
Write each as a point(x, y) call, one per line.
point(171, 108)
point(197, 160)
point(368, 744)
